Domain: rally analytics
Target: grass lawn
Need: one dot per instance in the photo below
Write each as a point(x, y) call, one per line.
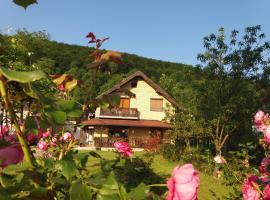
point(164, 168)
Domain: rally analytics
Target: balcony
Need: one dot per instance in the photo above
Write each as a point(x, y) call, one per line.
point(120, 113)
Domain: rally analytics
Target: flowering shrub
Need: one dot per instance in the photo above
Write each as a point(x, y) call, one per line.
point(256, 187)
point(153, 143)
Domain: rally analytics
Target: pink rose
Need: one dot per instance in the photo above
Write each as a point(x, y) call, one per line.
point(265, 162)
point(67, 136)
point(53, 142)
point(184, 183)
point(31, 138)
point(266, 134)
point(266, 192)
point(42, 145)
point(219, 159)
point(40, 133)
point(123, 148)
point(259, 120)
point(61, 87)
point(3, 130)
point(46, 134)
point(9, 155)
point(11, 138)
point(248, 189)
point(264, 178)
point(259, 116)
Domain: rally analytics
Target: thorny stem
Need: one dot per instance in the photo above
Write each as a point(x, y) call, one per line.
point(14, 121)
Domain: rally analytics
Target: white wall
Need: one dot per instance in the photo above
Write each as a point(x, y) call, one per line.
point(144, 92)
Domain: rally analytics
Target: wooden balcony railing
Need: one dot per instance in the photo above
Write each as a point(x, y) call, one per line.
point(120, 113)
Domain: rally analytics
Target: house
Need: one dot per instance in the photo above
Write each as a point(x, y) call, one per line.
point(139, 117)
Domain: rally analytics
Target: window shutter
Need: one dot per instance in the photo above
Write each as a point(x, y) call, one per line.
point(156, 105)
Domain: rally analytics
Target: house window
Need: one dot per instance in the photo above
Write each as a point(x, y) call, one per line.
point(156, 105)
point(124, 102)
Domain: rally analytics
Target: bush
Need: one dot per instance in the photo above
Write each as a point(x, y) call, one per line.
point(171, 152)
point(201, 158)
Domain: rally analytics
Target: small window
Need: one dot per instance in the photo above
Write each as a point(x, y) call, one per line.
point(156, 105)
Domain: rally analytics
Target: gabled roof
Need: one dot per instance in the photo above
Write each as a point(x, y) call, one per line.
point(140, 74)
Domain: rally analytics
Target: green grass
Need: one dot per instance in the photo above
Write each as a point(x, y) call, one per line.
point(164, 168)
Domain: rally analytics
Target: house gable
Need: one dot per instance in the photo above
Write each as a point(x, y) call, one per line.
point(136, 77)
point(146, 95)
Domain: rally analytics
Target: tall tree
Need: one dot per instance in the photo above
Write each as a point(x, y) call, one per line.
point(234, 68)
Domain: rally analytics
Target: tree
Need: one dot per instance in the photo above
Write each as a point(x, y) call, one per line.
point(231, 92)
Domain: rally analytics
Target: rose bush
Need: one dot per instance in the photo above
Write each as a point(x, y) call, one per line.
point(257, 187)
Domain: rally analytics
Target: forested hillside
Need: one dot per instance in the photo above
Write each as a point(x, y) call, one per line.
point(59, 58)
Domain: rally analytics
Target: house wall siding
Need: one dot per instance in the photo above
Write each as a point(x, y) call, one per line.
point(144, 92)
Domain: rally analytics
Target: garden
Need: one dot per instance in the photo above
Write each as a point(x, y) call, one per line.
point(219, 140)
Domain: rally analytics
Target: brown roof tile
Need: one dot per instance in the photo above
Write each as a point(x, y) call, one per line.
point(129, 123)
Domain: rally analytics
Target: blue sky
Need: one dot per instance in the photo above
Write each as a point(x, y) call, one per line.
point(170, 30)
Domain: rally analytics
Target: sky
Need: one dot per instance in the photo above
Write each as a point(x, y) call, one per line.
point(169, 30)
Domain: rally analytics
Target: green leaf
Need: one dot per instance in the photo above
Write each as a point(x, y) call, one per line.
point(76, 113)
point(112, 99)
point(27, 88)
point(109, 189)
point(104, 105)
point(80, 191)
point(30, 125)
point(60, 180)
point(66, 104)
point(24, 3)
point(59, 117)
point(14, 169)
point(19, 178)
point(4, 195)
point(6, 181)
point(67, 168)
point(39, 193)
point(95, 154)
point(81, 159)
point(22, 77)
point(123, 193)
point(138, 193)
